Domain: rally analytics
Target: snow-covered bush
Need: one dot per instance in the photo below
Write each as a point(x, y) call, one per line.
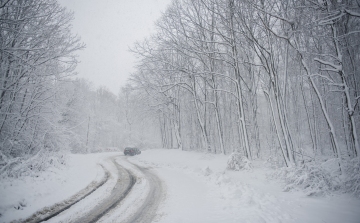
point(311, 177)
point(238, 162)
point(207, 171)
point(274, 161)
point(352, 181)
point(30, 167)
point(322, 177)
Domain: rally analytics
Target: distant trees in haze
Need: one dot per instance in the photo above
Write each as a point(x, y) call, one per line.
point(98, 119)
point(44, 112)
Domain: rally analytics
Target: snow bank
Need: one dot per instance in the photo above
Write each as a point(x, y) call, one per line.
point(200, 188)
point(21, 197)
point(238, 162)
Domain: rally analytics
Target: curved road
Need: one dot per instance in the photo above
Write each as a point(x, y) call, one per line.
point(124, 184)
point(126, 180)
point(147, 211)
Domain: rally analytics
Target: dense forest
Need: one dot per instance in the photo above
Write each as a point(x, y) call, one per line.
point(267, 78)
point(275, 80)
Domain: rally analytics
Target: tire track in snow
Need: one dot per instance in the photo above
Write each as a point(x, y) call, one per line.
point(147, 211)
point(54, 210)
point(123, 186)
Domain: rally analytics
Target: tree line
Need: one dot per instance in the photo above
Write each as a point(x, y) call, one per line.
point(267, 78)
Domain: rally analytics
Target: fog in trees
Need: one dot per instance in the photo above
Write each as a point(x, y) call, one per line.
point(270, 80)
point(45, 112)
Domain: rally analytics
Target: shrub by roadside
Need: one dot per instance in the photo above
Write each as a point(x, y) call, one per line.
point(322, 178)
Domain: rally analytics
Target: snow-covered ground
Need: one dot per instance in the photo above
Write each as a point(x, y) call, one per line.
point(20, 198)
point(198, 188)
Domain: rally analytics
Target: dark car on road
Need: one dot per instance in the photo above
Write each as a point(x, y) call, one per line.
point(131, 151)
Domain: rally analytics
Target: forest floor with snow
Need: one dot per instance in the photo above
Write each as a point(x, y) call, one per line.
point(197, 186)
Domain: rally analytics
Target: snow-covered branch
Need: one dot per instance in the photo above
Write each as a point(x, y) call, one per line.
point(337, 68)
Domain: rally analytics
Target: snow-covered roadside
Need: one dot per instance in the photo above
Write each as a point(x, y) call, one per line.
point(200, 189)
point(50, 187)
point(86, 205)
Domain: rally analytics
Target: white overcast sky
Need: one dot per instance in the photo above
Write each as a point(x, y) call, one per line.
point(109, 28)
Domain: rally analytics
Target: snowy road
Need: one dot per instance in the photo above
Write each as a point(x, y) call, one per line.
point(147, 211)
point(137, 190)
point(168, 186)
point(124, 184)
point(127, 193)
